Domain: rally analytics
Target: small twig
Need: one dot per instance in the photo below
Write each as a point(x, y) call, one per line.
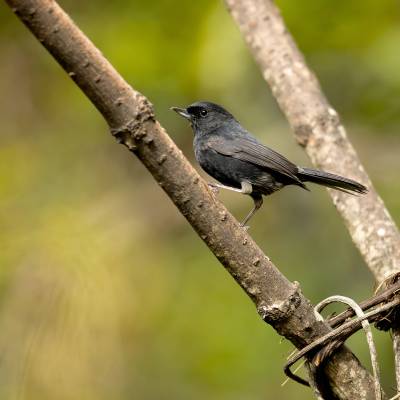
point(367, 328)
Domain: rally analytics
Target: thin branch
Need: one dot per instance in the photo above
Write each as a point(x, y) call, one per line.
point(318, 129)
point(131, 120)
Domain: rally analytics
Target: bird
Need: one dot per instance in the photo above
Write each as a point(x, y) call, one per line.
point(231, 155)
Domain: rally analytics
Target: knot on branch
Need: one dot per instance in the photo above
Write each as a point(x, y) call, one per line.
point(303, 133)
point(134, 129)
point(280, 310)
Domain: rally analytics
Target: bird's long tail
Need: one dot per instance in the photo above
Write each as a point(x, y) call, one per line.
point(330, 180)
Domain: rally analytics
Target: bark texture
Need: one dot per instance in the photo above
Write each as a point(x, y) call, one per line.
point(131, 119)
point(318, 129)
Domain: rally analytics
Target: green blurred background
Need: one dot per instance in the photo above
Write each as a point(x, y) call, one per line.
point(105, 291)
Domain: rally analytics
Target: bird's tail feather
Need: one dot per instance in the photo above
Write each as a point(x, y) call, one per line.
point(331, 180)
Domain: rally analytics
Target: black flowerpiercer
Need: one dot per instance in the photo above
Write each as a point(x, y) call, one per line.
point(236, 159)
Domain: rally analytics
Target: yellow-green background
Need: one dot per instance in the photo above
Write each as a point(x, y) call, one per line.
point(105, 291)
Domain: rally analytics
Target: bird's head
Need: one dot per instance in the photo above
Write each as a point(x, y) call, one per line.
point(205, 116)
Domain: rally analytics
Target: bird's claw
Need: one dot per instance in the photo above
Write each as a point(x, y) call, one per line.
point(245, 227)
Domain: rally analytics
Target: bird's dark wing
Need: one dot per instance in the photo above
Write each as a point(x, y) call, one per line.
point(251, 151)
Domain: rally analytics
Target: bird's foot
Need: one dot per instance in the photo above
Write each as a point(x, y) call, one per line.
point(214, 188)
point(245, 227)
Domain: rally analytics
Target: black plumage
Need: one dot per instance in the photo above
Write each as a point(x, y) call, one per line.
point(236, 159)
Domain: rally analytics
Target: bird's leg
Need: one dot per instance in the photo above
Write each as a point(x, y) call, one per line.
point(258, 201)
point(246, 188)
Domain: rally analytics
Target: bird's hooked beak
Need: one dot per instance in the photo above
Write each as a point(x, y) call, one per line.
point(182, 112)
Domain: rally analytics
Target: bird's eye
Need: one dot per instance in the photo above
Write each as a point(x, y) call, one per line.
point(203, 112)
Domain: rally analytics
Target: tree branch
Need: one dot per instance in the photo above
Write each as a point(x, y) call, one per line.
point(131, 119)
point(318, 129)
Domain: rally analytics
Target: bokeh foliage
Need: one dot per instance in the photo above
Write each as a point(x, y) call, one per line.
point(105, 290)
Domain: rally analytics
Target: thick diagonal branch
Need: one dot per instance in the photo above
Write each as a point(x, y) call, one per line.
point(317, 127)
point(131, 120)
